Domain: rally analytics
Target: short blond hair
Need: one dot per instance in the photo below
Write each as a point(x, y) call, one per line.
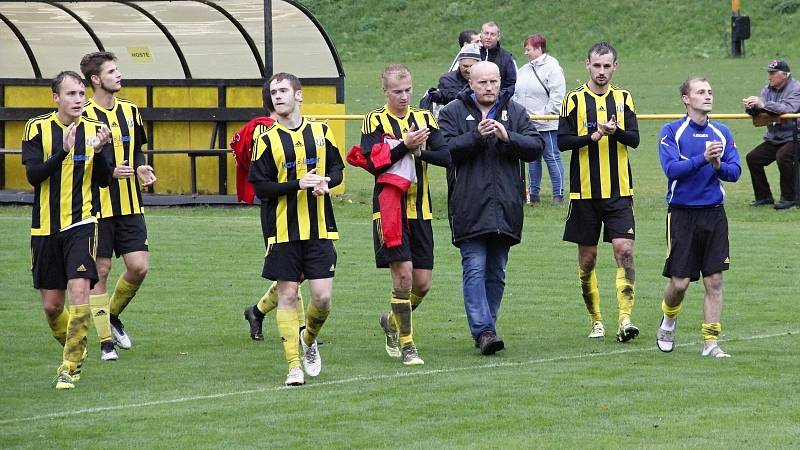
point(398, 71)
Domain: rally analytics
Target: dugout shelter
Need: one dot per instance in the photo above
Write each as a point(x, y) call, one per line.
point(194, 67)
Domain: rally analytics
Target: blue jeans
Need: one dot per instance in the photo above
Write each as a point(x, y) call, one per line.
point(552, 157)
point(483, 260)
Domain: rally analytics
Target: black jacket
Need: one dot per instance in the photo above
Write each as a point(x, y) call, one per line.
point(508, 68)
point(484, 187)
point(450, 85)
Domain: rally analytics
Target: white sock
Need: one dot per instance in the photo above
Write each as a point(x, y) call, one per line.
point(668, 324)
point(708, 345)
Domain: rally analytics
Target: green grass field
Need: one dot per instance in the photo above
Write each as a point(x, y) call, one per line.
point(195, 380)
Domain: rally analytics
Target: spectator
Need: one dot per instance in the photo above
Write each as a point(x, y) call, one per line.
point(468, 36)
point(491, 51)
point(540, 89)
point(487, 135)
point(780, 96)
point(453, 82)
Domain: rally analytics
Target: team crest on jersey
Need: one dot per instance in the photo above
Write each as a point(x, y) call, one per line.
point(130, 122)
point(91, 141)
point(320, 141)
point(620, 108)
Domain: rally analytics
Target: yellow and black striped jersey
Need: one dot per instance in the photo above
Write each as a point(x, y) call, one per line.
point(382, 122)
point(599, 169)
point(283, 156)
point(123, 196)
point(63, 197)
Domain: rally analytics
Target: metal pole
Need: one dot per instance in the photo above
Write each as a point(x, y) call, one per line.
point(269, 69)
point(796, 168)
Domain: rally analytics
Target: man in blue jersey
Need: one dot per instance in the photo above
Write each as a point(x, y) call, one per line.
point(697, 154)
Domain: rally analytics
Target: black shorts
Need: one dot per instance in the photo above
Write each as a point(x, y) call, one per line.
point(298, 260)
point(697, 242)
point(121, 235)
point(417, 245)
point(585, 218)
point(63, 256)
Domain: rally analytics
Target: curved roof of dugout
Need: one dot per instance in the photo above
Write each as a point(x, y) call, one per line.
point(183, 39)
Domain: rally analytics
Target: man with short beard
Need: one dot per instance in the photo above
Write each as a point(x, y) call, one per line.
point(598, 124)
point(120, 211)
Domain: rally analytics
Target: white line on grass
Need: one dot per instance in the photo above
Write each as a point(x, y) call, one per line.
point(370, 378)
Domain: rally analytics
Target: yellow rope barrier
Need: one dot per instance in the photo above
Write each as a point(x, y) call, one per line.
point(739, 116)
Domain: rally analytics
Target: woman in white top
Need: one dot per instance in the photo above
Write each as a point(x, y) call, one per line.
point(540, 89)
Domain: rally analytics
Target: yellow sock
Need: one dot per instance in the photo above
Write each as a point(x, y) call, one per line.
point(58, 326)
point(625, 293)
point(76, 336)
point(270, 299)
point(415, 300)
point(100, 306)
point(591, 295)
point(711, 331)
point(301, 310)
point(401, 316)
point(289, 329)
point(316, 318)
point(670, 311)
point(122, 295)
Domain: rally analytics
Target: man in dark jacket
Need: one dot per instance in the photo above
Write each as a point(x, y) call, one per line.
point(491, 51)
point(453, 82)
point(487, 136)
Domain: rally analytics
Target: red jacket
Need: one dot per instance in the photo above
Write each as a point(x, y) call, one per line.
point(242, 146)
point(396, 179)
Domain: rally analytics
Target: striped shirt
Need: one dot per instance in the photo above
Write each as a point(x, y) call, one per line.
point(599, 169)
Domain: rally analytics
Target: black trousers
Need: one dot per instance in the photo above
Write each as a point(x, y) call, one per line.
point(763, 155)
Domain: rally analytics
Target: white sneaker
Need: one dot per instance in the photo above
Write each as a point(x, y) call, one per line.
point(295, 377)
point(715, 352)
point(121, 338)
point(312, 362)
point(598, 330)
point(108, 352)
point(665, 339)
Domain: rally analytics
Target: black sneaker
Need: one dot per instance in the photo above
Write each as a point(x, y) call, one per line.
point(253, 316)
point(490, 343)
point(762, 201)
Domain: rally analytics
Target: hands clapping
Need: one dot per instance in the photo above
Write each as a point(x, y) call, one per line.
point(604, 129)
point(489, 127)
point(415, 138)
point(318, 183)
point(713, 153)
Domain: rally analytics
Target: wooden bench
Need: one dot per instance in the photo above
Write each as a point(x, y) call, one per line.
point(220, 154)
